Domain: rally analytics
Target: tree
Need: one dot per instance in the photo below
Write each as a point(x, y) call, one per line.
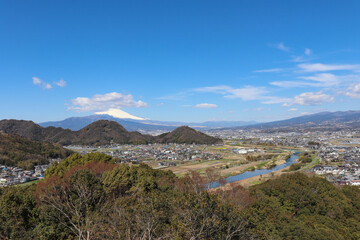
point(76, 198)
point(18, 213)
point(76, 159)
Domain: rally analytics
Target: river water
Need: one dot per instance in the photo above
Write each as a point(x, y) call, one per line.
point(248, 174)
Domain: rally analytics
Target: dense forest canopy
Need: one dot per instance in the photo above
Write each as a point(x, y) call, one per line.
point(90, 197)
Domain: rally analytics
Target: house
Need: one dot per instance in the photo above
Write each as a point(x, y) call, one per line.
point(355, 183)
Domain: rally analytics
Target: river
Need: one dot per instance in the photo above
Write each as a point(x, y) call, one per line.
point(248, 174)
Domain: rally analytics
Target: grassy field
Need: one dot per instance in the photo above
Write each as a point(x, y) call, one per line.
point(28, 183)
point(315, 161)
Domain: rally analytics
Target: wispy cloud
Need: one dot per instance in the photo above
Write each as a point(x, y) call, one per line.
point(47, 86)
point(319, 67)
point(259, 109)
point(60, 83)
point(246, 93)
point(353, 91)
point(36, 81)
point(44, 85)
point(103, 102)
point(302, 58)
point(274, 100)
point(310, 99)
point(298, 59)
point(317, 80)
point(269, 70)
point(222, 89)
point(292, 110)
point(289, 84)
point(205, 105)
point(320, 80)
point(281, 46)
point(323, 79)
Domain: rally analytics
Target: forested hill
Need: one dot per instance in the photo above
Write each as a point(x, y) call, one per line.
point(22, 152)
point(188, 135)
point(101, 132)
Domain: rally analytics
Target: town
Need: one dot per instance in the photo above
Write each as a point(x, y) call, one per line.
point(337, 154)
point(157, 155)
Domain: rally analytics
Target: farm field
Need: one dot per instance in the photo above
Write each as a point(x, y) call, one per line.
point(233, 163)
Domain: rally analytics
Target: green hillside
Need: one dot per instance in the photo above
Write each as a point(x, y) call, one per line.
point(25, 153)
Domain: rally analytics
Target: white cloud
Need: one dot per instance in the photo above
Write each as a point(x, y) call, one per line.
point(103, 102)
point(298, 59)
point(319, 67)
point(246, 93)
point(323, 80)
point(36, 81)
point(269, 70)
point(222, 89)
point(310, 99)
point(292, 109)
point(60, 83)
point(282, 47)
point(307, 51)
point(353, 91)
point(47, 86)
point(42, 84)
point(289, 84)
point(259, 109)
point(319, 80)
point(205, 105)
point(274, 100)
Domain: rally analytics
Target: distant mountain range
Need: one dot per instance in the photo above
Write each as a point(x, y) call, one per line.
point(101, 132)
point(77, 123)
point(332, 121)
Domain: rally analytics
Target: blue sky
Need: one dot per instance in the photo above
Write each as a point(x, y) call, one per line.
point(178, 60)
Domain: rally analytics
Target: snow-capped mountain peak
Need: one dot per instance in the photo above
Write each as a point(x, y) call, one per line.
point(117, 113)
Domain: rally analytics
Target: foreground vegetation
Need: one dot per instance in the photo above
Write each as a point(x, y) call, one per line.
point(90, 197)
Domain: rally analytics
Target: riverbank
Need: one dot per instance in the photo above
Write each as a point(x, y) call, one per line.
point(259, 174)
point(234, 165)
point(246, 183)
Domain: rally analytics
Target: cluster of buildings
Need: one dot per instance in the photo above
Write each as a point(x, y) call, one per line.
point(293, 139)
point(347, 174)
point(14, 175)
point(339, 153)
point(340, 163)
point(246, 150)
point(166, 155)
